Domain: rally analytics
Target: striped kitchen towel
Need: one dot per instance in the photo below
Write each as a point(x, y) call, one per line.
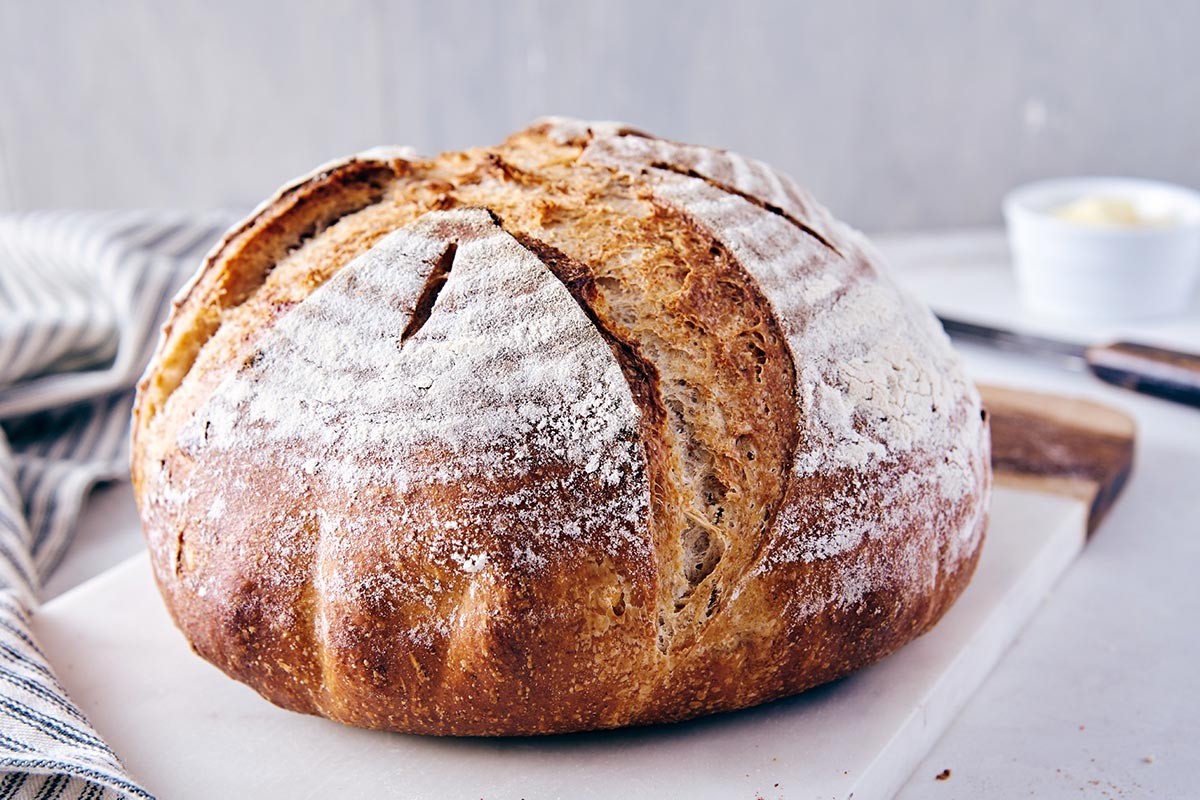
point(82, 296)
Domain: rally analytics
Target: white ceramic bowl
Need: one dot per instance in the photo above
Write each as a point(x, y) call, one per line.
point(1082, 272)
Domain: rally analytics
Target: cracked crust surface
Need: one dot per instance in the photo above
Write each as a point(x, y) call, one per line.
point(584, 430)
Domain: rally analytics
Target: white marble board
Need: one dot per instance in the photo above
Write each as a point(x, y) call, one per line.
point(189, 732)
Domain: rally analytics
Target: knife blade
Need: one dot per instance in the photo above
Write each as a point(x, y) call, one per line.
point(1169, 374)
point(1069, 354)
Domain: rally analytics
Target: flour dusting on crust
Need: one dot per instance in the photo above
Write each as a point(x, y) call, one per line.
point(507, 384)
point(878, 387)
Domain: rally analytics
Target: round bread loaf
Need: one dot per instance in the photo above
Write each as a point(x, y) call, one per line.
point(585, 430)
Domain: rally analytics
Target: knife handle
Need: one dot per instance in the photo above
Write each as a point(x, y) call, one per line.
point(1169, 374)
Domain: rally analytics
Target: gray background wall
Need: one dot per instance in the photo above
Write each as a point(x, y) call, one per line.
point(897, 114)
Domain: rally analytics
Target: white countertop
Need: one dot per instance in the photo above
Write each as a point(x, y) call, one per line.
point(1099, 697)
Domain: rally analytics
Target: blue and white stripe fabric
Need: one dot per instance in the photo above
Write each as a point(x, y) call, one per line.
point(82, 296)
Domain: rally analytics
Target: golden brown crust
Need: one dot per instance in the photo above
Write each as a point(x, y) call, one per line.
point(241, 261)
point(781, 515)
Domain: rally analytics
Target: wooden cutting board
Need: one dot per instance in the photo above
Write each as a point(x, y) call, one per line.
point(189, 732)
point(1060, 445)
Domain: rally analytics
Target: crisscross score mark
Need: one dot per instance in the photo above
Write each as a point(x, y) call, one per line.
point(429, 294)
point(749, 198)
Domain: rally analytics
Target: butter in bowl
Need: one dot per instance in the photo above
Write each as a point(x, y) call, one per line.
point(1104, 249)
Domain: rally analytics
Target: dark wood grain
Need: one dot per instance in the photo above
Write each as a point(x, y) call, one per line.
point(1169, 374)
point(1061, 445)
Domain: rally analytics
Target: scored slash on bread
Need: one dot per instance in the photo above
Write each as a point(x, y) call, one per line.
point(588, 429)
